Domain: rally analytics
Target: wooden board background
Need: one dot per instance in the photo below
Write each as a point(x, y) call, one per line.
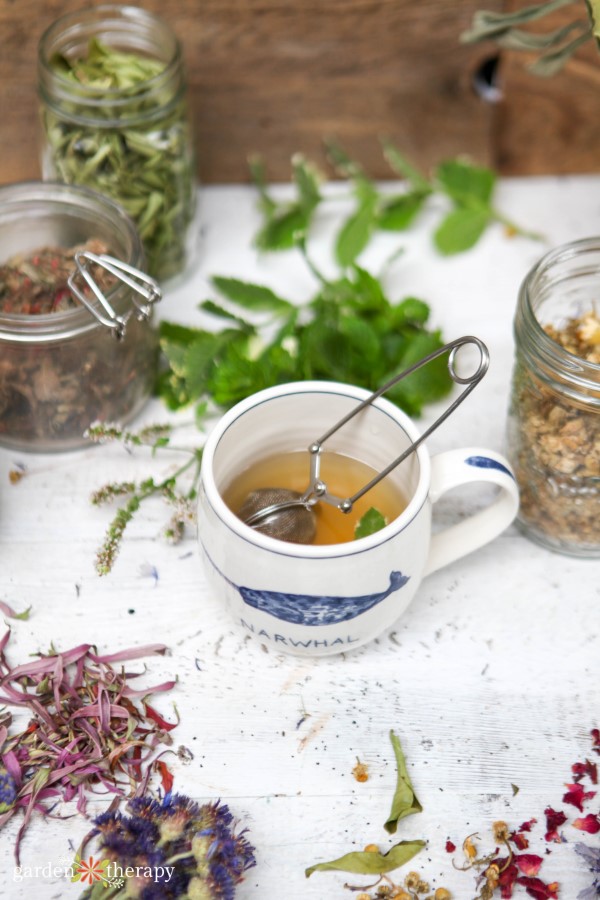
point(277, 76)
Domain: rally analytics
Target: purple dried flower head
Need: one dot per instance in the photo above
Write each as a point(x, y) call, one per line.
point(592, 857)
point(207, 858)
point(8, 791)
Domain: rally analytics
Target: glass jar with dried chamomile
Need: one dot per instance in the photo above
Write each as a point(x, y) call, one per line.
point(76, 338)
point(114, 115)
point(554, 416)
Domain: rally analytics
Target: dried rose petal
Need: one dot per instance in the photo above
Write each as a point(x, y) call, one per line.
point(450, 847)
point(528, 863)
point(595, 733)
point(576, 795)
point(535, 887)
point(589, 769)
point(507, 878)
point(554, 819)
point(590, 823)
point(519, 840)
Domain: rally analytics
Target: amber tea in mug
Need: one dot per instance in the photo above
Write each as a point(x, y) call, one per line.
point(342, 474)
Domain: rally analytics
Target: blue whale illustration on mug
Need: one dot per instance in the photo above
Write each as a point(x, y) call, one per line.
point(310, 609)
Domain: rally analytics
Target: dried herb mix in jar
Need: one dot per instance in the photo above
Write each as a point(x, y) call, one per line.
point(554, 417)
point(115, 119)
point(65, 364)
point(35, 283)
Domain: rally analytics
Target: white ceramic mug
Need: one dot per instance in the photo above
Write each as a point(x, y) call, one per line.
point(316, 600)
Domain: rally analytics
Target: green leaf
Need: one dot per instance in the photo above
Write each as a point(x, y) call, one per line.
point(487, 24)
point(400, 164)
point(284, 229)
point(466, 184)
point(356, 231)
point(367, 862)
point(411, 309)
point(255, 297)
point(369, 523)
point(427, 384)
point(461, 229)
point(215, 309)
point(594, 14)
point(397, 213)
point(307, 179)
point(405, 801)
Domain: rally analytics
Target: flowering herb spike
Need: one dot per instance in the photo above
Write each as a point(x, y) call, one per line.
point(176, 848)
point(87, 730)
point(182, 503)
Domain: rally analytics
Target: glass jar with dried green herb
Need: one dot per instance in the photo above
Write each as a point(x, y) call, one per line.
point(554, 416)
point(114, 116)
point(73, 349)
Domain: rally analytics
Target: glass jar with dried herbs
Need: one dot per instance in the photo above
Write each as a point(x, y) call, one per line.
point(554, 416)
point(67, 362)
point(114, 116)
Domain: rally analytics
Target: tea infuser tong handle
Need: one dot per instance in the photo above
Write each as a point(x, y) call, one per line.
point(318, 489)
point(141, 285)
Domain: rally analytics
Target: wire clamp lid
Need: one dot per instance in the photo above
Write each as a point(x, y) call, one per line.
point(145, 290)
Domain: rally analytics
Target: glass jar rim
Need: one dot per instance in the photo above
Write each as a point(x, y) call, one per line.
point(70, 322)
point(551, 348)
point(114, 14)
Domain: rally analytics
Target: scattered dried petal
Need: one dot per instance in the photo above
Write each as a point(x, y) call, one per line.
point(576, 795)
point(590, 823)
point(589, 769)
point(450, 847)
point(554, 819)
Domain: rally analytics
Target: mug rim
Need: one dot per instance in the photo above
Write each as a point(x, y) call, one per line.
point(313, 551)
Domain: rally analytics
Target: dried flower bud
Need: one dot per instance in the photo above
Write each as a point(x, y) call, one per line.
point(500, 831)
point(492, 875)
point(412, 880)
point(469, 848)
point(422, 887)
point(442, 894)
point(371, 848)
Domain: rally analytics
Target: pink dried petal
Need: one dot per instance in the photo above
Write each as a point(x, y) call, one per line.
point(535, 887)
point(590, 823)
point(576, 795)
point(589, 769)
point(528, 863)
point(554, 819)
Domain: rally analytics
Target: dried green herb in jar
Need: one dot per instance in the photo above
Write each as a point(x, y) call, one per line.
point(115, 120)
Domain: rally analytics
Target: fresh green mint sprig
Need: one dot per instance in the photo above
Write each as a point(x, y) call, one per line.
point(467, 188)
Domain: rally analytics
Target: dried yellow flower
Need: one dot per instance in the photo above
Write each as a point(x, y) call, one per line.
point(500, 831)
point(442, 894)
point(371, 848)
point(361, 771)
point(411, 881)
point(469, 848)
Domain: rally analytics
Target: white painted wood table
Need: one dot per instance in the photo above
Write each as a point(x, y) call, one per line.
point(490, 679)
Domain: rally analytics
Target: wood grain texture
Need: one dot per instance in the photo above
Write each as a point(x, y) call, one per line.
point(276, 76)
point(549, 125)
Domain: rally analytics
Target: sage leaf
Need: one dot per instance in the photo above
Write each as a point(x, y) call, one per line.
point(405, 801)
point(367, 862)
point(549, 64)
point(255, 297)
point(461, 229)
point(594, 14)
point(487, 24)
point(369, 523)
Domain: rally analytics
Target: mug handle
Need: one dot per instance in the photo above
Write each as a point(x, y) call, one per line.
point(454, 468)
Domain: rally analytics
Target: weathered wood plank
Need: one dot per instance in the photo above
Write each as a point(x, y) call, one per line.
point(276, 76)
